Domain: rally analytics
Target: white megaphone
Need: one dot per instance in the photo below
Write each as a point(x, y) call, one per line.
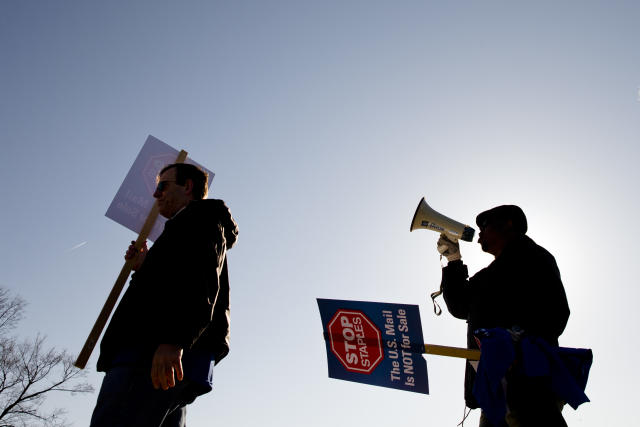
point(429, 219)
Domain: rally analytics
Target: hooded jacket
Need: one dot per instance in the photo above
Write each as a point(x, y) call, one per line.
point(180, 293)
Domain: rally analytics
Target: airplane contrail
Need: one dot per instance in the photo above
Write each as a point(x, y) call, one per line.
point(79, 245)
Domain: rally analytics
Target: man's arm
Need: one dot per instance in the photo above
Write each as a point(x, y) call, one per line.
point(455, 289)
point(454, 284)
point(191, 286)
point(187, 293)
point(188, 306)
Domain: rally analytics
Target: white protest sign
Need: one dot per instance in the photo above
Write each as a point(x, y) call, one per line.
point(134, 200)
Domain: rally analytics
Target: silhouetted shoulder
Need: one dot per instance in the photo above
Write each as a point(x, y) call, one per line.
point(211, 213)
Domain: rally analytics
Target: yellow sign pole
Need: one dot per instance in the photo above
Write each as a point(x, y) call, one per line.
point(95, 333)
point(442, 350)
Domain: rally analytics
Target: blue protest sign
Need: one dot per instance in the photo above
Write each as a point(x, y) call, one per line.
point(375, 343)
point(134, 199)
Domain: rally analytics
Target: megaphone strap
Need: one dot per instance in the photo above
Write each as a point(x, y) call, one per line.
point(436, 307)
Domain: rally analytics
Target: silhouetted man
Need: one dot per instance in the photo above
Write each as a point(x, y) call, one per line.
point(172, 324)
point(520, 290)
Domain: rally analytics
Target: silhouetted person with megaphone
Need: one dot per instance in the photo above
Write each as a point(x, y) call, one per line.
point(520, 291)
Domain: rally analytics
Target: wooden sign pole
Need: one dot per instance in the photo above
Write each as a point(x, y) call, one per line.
point(95, 333)
point(442, 350)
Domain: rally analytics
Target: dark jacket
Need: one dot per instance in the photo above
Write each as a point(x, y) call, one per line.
point(521, 287)
point(180, 293)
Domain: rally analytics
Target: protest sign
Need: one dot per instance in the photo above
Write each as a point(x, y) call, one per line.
point(375, 343)
point(134, 200)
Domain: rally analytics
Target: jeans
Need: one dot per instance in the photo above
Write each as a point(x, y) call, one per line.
point(127, 398)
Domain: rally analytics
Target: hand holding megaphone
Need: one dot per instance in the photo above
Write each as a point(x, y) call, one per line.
point(448, 248)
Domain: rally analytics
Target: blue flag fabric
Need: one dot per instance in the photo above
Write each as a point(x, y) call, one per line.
point(568, 369)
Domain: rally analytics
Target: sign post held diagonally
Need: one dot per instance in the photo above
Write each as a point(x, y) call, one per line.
point(128, 208)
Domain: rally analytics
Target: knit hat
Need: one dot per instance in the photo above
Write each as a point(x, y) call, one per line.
point(501, 214)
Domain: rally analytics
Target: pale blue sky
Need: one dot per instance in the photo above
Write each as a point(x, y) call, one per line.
point(325, 123)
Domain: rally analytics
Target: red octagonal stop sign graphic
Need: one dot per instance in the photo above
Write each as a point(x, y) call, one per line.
point(355, 340)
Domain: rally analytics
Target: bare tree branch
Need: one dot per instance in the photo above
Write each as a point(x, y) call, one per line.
point(29, 372)
point(11, 311)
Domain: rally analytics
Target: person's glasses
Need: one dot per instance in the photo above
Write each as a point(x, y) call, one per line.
point(162, 185)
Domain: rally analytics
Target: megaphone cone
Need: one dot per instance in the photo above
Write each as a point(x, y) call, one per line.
point(429, 219)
